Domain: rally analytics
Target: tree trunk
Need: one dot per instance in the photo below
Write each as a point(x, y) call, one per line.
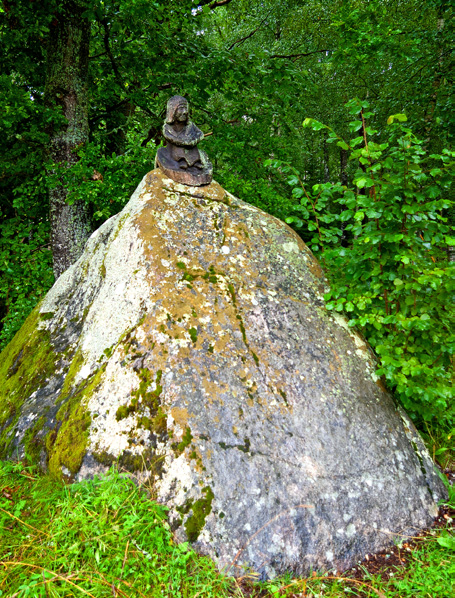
point(66, 87)
point(343, 166)
point(325, 159)
point(437, 77)
point(343, 181)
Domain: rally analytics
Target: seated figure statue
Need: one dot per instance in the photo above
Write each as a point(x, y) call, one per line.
point(181, 160)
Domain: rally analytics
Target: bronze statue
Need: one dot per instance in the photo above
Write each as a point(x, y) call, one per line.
point(181, 160)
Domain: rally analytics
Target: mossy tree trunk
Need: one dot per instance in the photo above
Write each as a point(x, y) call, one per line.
point(66, 87)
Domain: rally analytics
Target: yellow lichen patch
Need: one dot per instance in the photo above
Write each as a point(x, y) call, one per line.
point(180, 415)
point(315, 268)
point(196, 457)
point(212, 390)
point(207, 258)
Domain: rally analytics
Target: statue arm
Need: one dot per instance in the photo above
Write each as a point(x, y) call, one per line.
point(188, 137)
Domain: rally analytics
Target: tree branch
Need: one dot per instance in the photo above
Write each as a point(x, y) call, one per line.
point(243, 39)
point(213, 4)
point(219, 3)
point(301, 55)
point(107, 47)
point(128, 41)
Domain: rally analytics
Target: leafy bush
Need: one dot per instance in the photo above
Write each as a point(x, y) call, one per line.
point(25, 258)
point(384, 243)
point(106, 182)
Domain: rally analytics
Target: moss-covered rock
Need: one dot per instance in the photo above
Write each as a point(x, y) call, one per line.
point(190, 344)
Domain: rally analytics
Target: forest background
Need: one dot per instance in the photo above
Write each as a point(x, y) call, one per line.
point(335, 116)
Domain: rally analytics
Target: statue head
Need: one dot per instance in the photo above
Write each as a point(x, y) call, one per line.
point(177, 110)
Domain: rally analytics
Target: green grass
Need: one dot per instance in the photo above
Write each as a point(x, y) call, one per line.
point(107, 538)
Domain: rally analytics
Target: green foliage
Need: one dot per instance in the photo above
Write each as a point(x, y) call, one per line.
point(25, 259)
point(384, 243)
point(432, 570)
point(106, 182)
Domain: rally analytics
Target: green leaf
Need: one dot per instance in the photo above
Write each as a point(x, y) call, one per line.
point(355, 125)
point(314, 124)
point(446, 542)
point(399, 117)
point(356, 141)
point(363, 182)
point(343, 145)
point(346, 215)
point(433, 192)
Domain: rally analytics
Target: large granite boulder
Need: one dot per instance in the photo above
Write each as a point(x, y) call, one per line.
point(190, 343)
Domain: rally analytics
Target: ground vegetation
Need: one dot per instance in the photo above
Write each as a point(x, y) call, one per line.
point(105, 538)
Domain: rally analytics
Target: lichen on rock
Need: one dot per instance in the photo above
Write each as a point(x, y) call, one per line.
point(191, 345)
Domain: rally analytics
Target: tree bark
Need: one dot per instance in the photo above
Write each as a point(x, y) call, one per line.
point(437, 76)
point(343, 167)
point(66, 87)
point(325, 159)
point(343, 181)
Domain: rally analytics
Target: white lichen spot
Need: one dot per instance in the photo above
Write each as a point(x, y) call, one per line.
point(225, 249)
point(350, 530)
point(368, 480)
point(310, 467)
point(179, 478)
point(291, 247)
point(329, 555)
point(84, 372)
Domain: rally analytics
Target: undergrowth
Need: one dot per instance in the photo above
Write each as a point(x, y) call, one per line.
point(107, 538)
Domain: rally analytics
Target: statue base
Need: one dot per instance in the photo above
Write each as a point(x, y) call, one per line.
point(192, 176)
